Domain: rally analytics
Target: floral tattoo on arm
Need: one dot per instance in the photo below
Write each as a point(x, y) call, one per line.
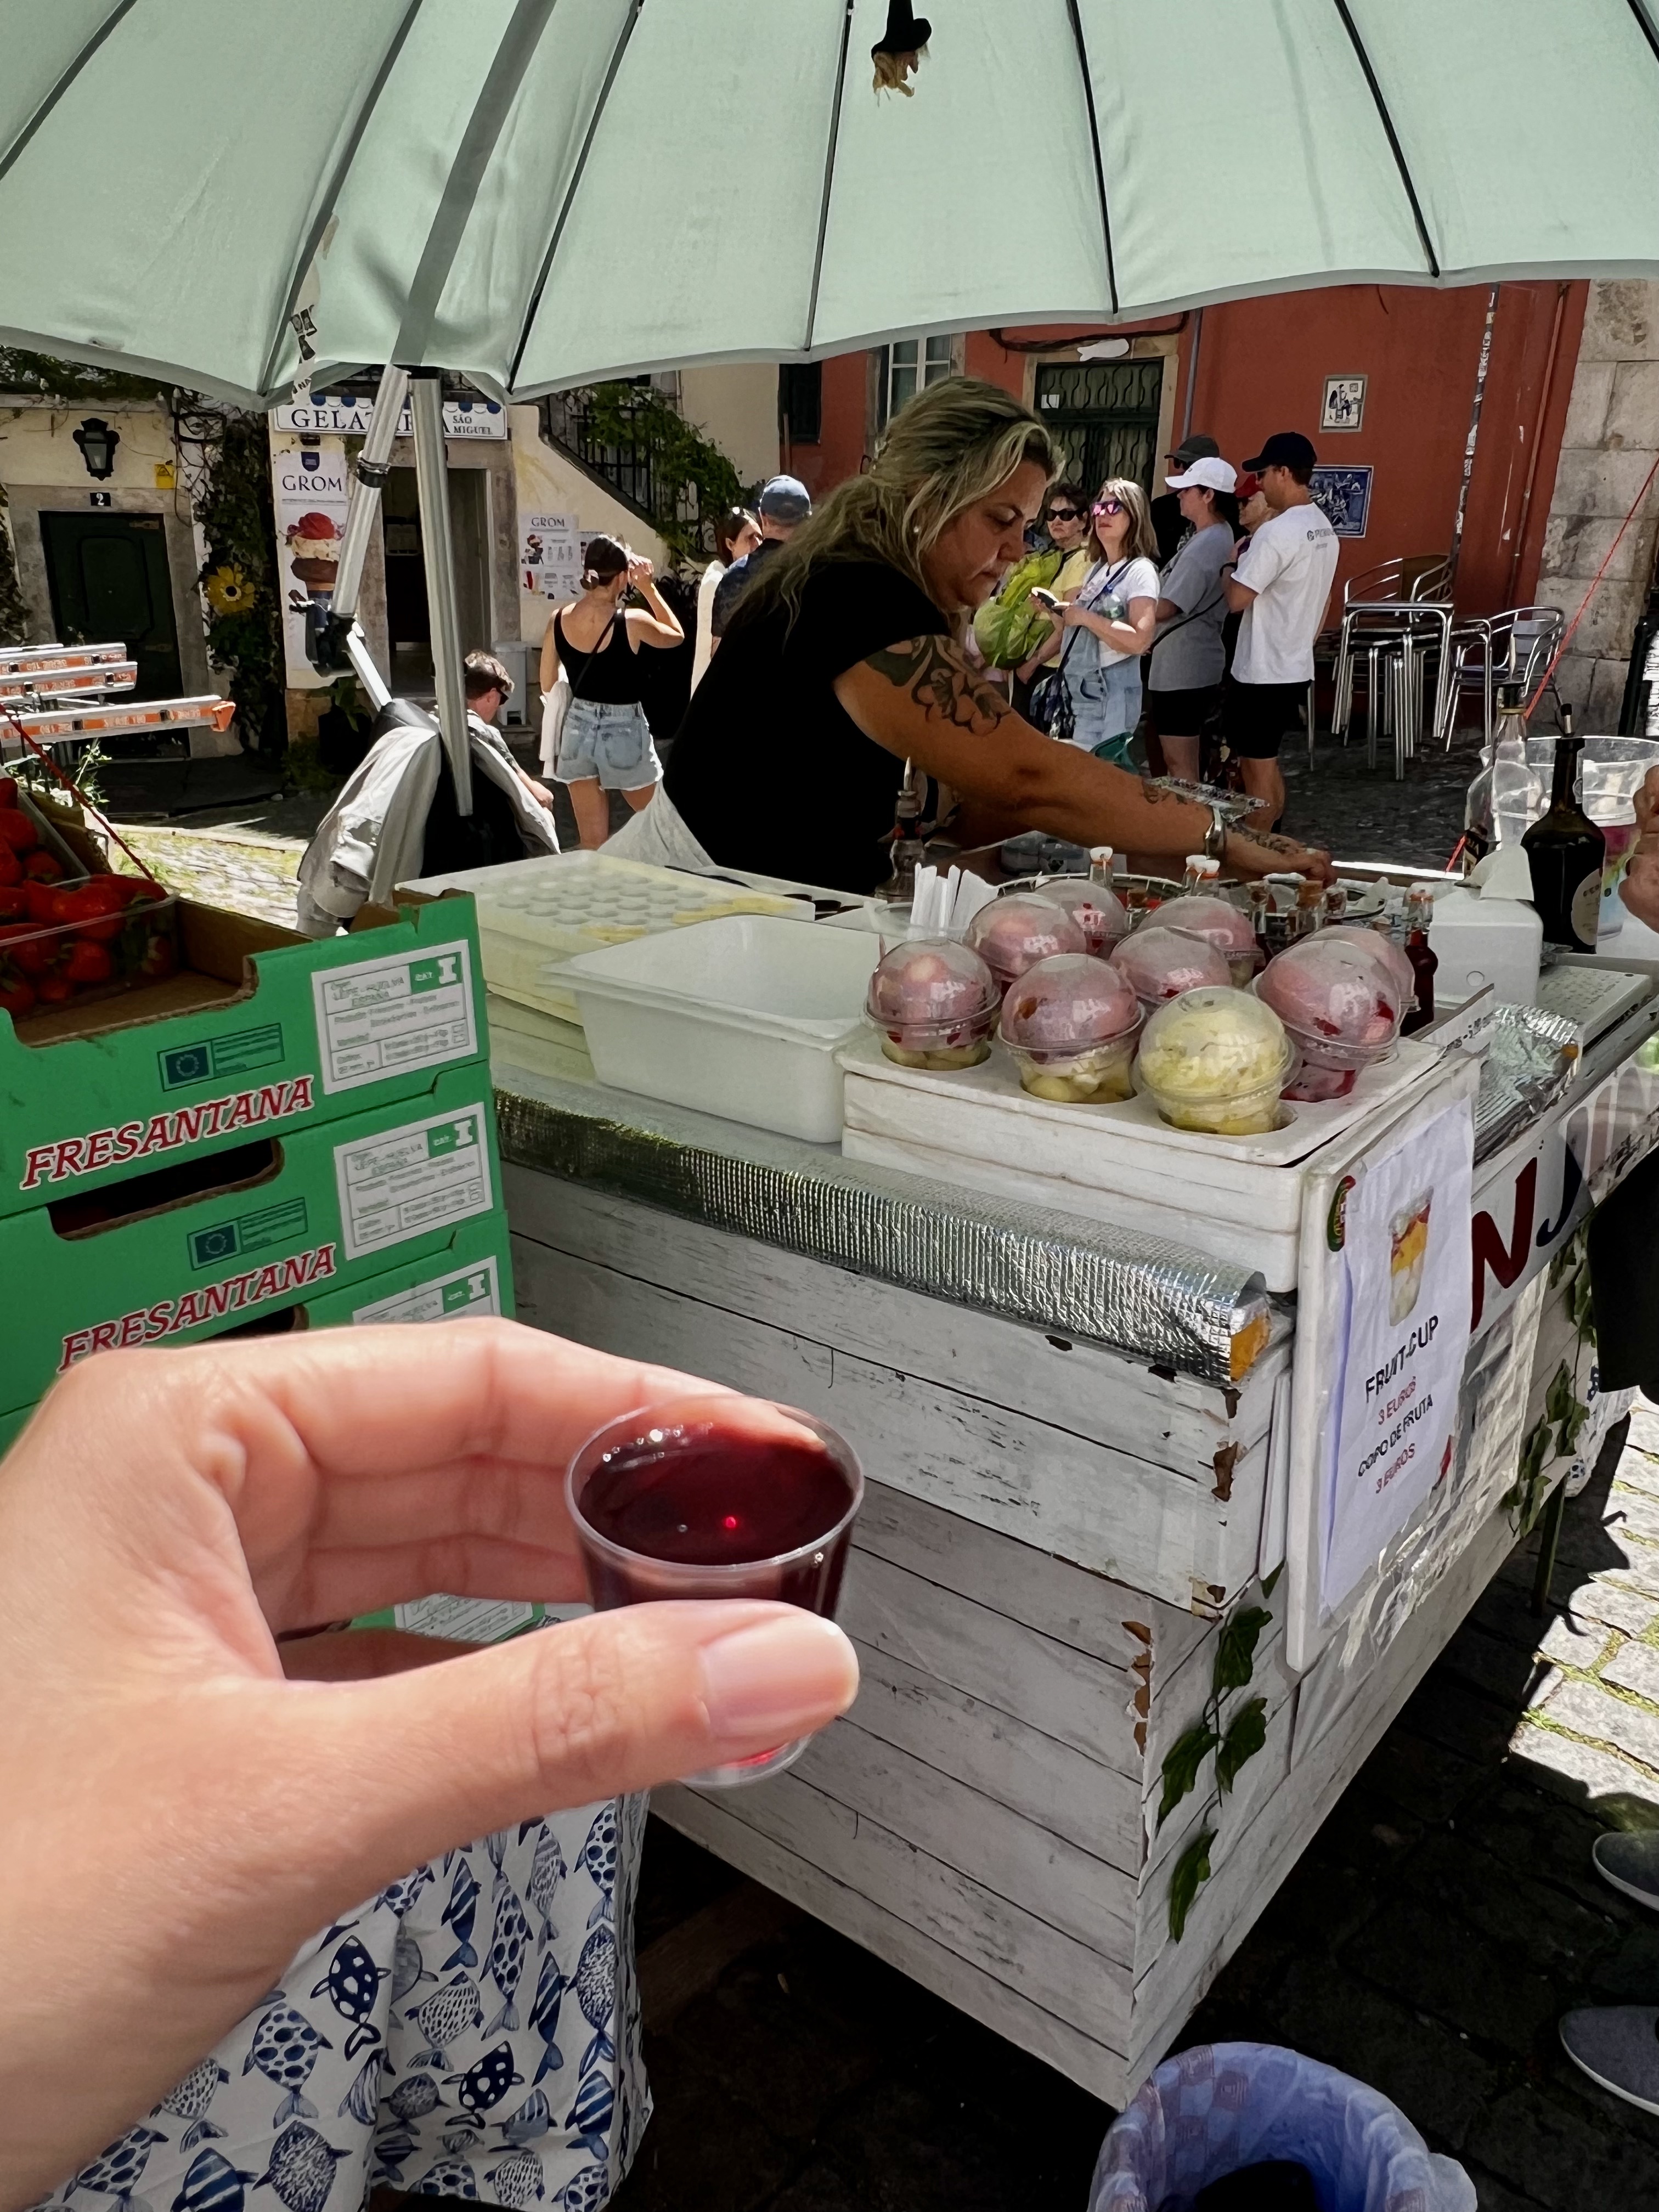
point(942, 683)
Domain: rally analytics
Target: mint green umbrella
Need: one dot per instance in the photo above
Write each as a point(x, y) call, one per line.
point(540, 193)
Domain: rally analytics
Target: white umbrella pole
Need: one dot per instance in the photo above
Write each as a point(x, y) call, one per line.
point(361, 516)
point(432, 484)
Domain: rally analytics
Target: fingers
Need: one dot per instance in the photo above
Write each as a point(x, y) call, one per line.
point(1647, 804)
point(374, 1778)
point(361, 1467)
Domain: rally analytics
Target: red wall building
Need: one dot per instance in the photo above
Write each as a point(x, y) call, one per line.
point(1247, 368)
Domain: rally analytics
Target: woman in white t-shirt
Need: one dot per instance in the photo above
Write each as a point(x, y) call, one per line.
point(1106, 628)
point(736, 533)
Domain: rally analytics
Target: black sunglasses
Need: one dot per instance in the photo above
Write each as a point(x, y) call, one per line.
point(1062, 514)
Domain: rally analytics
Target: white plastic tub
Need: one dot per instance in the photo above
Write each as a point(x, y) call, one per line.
point(742, 1016)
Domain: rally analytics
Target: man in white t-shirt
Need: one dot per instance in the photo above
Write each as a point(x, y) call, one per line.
point(1279, 586)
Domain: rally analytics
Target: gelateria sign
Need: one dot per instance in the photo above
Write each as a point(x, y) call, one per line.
point(343, 415)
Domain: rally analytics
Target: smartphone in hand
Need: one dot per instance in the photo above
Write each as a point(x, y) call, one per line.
point(1046, 601)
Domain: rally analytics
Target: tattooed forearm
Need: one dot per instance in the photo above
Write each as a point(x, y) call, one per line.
point(942, 683)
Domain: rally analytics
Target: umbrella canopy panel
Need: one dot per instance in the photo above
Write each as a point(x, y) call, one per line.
point(540, 193)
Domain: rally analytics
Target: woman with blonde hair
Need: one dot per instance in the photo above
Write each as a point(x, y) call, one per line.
point(1105, 630)
point(842, 663)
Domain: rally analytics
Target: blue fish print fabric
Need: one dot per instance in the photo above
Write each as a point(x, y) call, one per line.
point(471, 2032)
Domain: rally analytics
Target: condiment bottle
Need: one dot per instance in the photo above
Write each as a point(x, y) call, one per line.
point(1309, 898)
point(1566, 853)
point(1260, 900)
point(909, 849)
point(1419, 912)
point(1201, 873)
point(1102, 864)
point(1335, 906)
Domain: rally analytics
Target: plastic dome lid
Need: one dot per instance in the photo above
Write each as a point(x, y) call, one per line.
point(1160, 963)
point(1012, 934)
point(1213, 1044)
point(1375, 946)
point(1068, 1003)
point(1099, 913)
point(1216, 921)
point(1335, 997)
point(930, 982)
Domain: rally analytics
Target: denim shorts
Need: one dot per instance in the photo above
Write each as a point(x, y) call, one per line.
point(1106, 704)
point(609, 742)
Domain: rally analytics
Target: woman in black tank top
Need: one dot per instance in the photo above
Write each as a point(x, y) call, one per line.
point(605, 743)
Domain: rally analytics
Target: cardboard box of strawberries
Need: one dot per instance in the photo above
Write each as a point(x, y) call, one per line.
point(68, 931)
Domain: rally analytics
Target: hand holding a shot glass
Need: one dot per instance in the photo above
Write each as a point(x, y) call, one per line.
point(195, 1796)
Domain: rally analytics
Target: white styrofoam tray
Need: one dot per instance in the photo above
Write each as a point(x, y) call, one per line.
point(741, 1016)
point(557, 905)
point(982, 1113)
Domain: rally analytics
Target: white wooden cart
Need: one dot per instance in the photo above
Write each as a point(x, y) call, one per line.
point(1055, 1542)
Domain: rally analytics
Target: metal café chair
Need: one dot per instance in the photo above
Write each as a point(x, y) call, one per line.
point(1515, 647)
point(1394, 615)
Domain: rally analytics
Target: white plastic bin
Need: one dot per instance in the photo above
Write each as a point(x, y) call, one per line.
point(741, 1016)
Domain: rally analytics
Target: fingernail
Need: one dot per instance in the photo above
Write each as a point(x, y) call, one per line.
point(782, 1678)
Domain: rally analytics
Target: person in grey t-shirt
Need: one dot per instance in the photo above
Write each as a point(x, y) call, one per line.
point(1183, 680)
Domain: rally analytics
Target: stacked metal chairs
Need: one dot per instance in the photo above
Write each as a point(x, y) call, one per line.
point(1515, 647)
point(1397, 622)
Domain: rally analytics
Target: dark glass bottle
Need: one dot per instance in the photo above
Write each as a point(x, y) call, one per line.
point(1566, 853)
point(1419, 912)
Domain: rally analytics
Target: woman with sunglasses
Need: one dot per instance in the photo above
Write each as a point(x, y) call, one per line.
point(1099, 648)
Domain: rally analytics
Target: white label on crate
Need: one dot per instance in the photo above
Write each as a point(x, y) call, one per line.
point(380, 1018)
point(465, 1619)
point(407, 1180)
point(1403, 1234)
point(474, 1290)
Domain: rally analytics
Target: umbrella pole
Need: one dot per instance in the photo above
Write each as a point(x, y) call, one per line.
point(432, 485)
point(361, 516)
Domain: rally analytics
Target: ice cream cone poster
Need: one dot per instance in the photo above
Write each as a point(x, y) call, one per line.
point(1404, 1281)
point(311, 482)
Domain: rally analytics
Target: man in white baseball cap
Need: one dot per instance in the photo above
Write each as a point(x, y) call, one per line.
point(1183, 674)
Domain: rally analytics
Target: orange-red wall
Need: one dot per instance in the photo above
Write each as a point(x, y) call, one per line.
point(1262, 367)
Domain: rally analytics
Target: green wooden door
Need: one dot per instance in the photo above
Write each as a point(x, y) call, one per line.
point(1105, 415)
point(107, 575)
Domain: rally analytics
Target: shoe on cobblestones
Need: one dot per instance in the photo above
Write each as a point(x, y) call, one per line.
point(1617, 2045)
point(1631, 1863)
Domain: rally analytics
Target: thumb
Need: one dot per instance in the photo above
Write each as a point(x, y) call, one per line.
point(377, 1776)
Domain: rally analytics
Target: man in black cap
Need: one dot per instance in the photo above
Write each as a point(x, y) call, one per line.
point(1280, 586)
point(1168, 526)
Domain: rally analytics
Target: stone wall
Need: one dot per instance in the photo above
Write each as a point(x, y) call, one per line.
point(1610, 441)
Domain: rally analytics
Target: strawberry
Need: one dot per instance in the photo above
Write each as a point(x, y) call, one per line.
point(53, 990)
point(89, 963)
point(26, 948)
point(14, 903)
point(96, 906)
point(11, 868)
point(7, 791)
point(17, 830)
point(41, 866)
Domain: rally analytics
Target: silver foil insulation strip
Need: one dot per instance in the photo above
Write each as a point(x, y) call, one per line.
point(1153, 1301)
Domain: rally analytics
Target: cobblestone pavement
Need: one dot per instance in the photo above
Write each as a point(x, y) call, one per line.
point(234, 868)
point(1443, 1918)
point(1362, 814)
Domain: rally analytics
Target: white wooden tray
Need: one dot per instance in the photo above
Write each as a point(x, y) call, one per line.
point(1250, 1184)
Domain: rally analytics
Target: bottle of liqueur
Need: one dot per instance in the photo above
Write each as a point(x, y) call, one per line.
point(1566, 853)
point(1420, 914)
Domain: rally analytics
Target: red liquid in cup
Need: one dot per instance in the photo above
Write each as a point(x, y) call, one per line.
point(693, 1494)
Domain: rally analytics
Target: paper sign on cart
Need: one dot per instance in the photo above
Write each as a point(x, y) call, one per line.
point(1402, 1230)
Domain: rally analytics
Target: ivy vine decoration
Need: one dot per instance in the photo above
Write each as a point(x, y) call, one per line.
point(692, 481)
point(1555, 1437)
point(1232, 1737)
point(240, 579)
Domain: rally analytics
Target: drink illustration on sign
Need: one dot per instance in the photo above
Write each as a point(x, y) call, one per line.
point(1408, 1247)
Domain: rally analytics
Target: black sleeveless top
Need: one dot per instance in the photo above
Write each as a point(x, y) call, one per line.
point(609, 674)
